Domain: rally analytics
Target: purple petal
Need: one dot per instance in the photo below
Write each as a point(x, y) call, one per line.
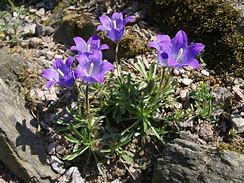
point(94, 42)
point(154, 44)
point(79, 72)
point(174, 63)
point(104, 47)
point(80, 45)
point(163, 58)
point(129, 19)
point(192, 51)
point(50, 74)
point(67, 80)
point(117, 16)
point(103, 28)
point(69, 61)
point(193, 63)
point(116, 35)
point(106, 66)
point(106, 23)
point(99, 78)
point(163, 38)
point(96, 56)
point(50, 84)
point(117, 21)
point(179, 41)
point(60, 65)
point(82, 59)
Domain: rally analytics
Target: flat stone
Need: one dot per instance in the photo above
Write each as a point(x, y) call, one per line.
point(238, 123)
point(184, 161)
point(205, 72)
point(22, 147)
point(186, 81)
point(72, 176)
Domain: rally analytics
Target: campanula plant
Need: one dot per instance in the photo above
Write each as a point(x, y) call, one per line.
point(132, 104)
point(60, 74)
point(115, 27)
point(87, 48)
point(176, 52)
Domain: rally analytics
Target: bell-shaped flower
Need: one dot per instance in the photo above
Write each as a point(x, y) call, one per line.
point(91, 69)
point(176, 52)
point(93, 44)
point(60, 74)
point(114, 26)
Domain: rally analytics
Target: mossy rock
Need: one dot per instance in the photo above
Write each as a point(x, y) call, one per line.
point(133, 44)
point(72, 24)
point(212, 22)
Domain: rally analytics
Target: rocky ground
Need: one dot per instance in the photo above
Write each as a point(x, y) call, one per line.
point(40, 32)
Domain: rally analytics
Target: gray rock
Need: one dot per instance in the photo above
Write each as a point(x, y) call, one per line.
point(186, 81)
point(184, 161)
point(221, 95)
point(22, 147)
point(72, 25)
point(29, 29)
point(238, 123)
point(205, 72)
point(57, 165)
point(239, 93)
point(72, 176)
point(40, 12)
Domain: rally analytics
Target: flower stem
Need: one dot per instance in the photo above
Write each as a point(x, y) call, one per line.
point(88, 107)
point(162, 77)
point(117, 60)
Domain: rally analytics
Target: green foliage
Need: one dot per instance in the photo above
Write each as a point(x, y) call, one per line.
point(202, 103)
point(212, 22)
point(135, 103)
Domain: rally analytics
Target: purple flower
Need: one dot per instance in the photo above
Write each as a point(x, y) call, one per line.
point(93, 43)
point(91, 69)
point(61, 73)
point(176, 52)
point(115, 26)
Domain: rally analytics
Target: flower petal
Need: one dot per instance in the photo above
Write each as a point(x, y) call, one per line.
point(179, 41)
point(61, 66)
point(105, 21)
point(94, 42)
point(70, 61)
point(129, 19)
point(192, 51)
point(117, 21)
point(50, 84)
point(82, 59)
point(104, 47)
point(193, 63)
point(80, 45)
point(106, 66)
point(79, 72)
point(50, 74)
point(67, 80)
point(115, 35)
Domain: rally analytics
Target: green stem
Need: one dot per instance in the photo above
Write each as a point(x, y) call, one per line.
point(88, 108)
point(11, 4)
point(162, 77)
point(117, 53)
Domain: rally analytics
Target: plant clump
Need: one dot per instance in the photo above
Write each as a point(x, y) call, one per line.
point(213, 22)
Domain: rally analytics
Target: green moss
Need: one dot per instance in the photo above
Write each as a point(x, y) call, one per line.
point(132, 45)
point(212, 22)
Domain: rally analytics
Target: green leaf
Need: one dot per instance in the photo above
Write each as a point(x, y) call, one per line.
point(71, 139)
point(75, 154)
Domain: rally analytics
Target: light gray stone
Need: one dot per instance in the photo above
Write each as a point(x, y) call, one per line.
point(238, 123)
point(184, 161)
point(22, 147)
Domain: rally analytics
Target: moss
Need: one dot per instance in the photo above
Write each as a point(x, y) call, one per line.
point(235, 146)
point(212, 22)
point(132, 45)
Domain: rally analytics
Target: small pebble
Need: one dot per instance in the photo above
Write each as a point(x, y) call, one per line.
point(205, 73)
point(186, 81)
